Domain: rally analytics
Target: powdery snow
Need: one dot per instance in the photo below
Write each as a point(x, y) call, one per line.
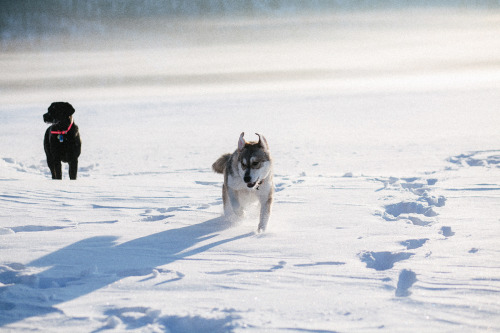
point(387, 173)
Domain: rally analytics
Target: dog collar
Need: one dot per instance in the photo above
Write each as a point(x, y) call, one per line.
point(63, 132)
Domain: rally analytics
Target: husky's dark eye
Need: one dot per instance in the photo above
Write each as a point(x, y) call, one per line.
point(243, 165)
point(255, 164)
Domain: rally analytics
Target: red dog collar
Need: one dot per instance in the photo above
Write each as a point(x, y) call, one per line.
point(63, 132)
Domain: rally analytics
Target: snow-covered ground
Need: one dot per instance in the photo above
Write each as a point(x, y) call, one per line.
point(384, 129)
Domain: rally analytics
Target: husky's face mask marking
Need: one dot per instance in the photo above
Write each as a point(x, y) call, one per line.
point(253, 161)
point(253, 164)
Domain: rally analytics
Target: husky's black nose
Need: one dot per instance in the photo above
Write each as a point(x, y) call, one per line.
point(247, 179)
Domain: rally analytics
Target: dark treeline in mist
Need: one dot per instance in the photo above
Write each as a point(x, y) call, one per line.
point(35, 18)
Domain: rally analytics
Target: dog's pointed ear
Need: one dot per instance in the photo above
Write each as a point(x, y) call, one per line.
point(262, 142)
point(241, 142)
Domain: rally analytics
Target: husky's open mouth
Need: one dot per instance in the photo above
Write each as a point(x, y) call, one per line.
point(252, 184)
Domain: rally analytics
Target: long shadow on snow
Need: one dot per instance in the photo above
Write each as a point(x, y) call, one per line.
point(88, 265)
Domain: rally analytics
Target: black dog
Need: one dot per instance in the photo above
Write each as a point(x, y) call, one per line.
point(62, 140)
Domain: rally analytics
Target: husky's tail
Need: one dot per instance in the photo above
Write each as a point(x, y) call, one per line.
point(220, 165)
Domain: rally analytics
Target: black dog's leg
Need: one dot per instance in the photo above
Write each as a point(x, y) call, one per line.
point(73, 169)
point(50, 159)
point(50, 163)
point(57, 174)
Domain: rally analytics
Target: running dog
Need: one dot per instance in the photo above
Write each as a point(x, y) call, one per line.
point(248, 178)
point(62, 141)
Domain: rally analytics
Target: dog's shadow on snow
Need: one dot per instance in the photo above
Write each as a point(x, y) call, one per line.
point(93, 263)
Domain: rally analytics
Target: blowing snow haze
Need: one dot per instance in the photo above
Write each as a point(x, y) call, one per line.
point(44, 24)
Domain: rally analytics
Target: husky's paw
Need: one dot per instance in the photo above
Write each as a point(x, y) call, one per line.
point(262, 227)
point(233, 219)
point(240, 213)
point(234, 214)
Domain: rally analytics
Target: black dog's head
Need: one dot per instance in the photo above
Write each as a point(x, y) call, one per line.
point(57, 112)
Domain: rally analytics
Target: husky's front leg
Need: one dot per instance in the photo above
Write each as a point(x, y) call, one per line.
point(234, 203)
point(265, 212)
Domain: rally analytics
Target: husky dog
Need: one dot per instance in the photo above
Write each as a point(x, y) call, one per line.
point(62, 141)
point(248, 177)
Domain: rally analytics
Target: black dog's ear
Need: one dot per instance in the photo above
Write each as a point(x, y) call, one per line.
point(61, 109)
point(68, 109)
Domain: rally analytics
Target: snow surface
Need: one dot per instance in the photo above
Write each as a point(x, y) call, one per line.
point(386, 143)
